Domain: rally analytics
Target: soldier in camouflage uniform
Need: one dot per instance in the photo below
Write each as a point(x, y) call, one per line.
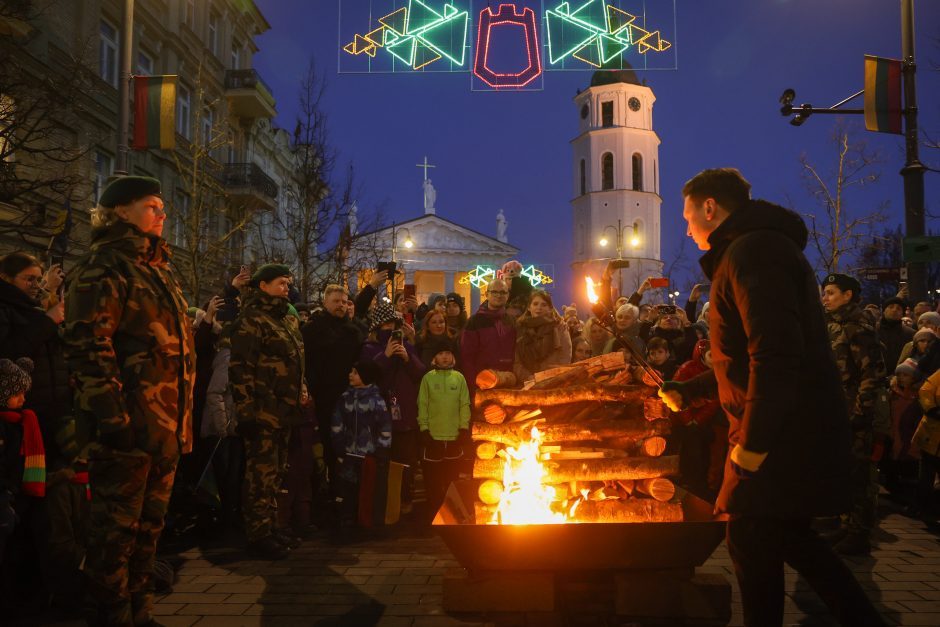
point(266, 374)
point(130, 350)
point(860, 360)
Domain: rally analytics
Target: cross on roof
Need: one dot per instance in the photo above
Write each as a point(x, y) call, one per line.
point(425, 165)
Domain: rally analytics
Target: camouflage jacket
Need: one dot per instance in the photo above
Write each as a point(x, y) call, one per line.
point(266, 370)
point(128, 342)
point(859, 357)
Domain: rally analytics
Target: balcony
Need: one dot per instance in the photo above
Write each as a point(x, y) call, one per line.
point(15, 18)
point(247, 184)
point(248, 96)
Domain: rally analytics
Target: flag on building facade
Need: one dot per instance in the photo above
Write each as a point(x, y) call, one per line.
point(59, 243)
point(883, 95)
point(154, 112)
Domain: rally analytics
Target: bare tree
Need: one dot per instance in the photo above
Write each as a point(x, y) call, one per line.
point(840, 231)
point(207, 225)
point(40, 110)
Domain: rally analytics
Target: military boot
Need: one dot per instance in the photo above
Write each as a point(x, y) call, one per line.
point(116, 614)
point(287, 541)
point(854, 543)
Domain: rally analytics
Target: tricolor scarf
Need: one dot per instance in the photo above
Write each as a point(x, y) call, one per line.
point(33, 452)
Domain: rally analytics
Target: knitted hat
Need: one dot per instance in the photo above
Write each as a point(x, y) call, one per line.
point(268, 273)
point(383, 312)
point(908, 366)
point(570, 311)
point(454, 297)
point(894, 300)
point(844, 282)
point(924, 334)
point(931, 317)
point(368, 370)
point(434, 298)
point(438, 343)
point(127, 189)
point(14, 378)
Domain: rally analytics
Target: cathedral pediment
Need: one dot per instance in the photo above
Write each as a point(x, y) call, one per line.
point(431, 233)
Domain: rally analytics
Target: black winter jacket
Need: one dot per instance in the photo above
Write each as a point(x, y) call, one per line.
point(26, 331)
point(776, 377)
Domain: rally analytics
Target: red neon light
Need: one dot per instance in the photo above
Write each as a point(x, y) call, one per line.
point(507, 15)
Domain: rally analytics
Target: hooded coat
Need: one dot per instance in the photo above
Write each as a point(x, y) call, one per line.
point(400, 379)
point(776, 376)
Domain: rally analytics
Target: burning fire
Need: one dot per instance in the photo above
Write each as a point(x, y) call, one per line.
point(525, 500)
point(592, 293)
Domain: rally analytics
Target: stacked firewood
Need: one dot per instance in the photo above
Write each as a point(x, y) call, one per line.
point(603, 435)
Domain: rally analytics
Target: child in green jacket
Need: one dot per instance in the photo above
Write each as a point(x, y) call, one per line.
point(444, 420)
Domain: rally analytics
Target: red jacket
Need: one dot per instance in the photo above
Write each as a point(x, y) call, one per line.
point(701, 411)
point(488, 341)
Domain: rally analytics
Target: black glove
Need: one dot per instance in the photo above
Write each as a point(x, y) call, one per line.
point(677, 387)
point(248, 430)
point(121, 440)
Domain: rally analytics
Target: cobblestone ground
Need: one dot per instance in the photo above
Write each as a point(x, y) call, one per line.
point(395, 581)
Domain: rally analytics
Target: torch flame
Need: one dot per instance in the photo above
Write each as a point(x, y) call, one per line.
point(525, 500)
point(592, 293)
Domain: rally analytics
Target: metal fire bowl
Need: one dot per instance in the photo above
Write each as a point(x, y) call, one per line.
point(578, 546)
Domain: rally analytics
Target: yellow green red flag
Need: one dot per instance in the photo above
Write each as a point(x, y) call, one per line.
point(154, 112)
point(883, 95)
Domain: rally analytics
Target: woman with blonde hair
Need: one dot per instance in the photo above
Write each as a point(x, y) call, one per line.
point(542, 339)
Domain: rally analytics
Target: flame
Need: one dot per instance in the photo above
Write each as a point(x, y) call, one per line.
point(525, 500)
point(592, 293)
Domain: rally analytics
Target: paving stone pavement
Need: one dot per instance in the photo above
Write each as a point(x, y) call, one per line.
point(395, 581)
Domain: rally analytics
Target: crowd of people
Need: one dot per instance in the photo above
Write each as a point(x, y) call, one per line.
point(112, 388)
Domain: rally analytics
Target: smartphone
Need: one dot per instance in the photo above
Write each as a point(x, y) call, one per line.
point(666, 310)
point(388, 266)
point(397, 336)
point(410, 290)
point(659, 282)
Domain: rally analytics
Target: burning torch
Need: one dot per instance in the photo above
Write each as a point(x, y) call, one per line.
point(606, 320)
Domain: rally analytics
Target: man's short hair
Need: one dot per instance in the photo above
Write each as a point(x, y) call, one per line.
point(726, 185)
point(332, 288)
point(657, 343)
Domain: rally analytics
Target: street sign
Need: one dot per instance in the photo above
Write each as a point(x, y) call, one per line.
point(884, 274)
point(922, 249)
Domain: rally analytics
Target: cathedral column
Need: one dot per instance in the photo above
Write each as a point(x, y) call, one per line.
point(449, 283)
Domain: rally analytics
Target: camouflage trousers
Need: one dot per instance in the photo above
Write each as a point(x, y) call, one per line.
point(130, 493)
point(265, 471)
point(864, 484)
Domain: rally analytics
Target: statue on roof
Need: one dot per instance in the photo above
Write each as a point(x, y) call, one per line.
point(502, 226)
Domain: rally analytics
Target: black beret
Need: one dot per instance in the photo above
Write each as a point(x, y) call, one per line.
point(268, 273)
point(894, 300)
point(126, 189)
point(844, 282)
point(369, 371)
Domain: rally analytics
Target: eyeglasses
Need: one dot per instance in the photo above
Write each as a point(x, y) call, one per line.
point(498, 292)
point(29, 279)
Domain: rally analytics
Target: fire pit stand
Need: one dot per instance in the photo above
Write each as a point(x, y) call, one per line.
point(644, 571)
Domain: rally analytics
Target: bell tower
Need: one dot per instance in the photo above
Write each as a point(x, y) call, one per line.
point(616, 202)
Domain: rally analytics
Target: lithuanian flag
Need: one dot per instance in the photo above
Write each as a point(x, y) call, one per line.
point(154, 112)
point(883, 95)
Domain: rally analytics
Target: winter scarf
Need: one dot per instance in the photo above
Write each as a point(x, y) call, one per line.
point(34, 455)
point(536, 340)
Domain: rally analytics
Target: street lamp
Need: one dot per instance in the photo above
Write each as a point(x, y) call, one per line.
point(407, 243)
point(619, 232)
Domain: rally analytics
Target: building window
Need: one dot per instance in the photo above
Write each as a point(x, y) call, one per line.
point(178, 219)
point(583, 177)
point(214, 33)
point(189, 12)
point(104, 167)
point(607, 171)
point(607, 113)
point(208, 120)
point(108, 54)
point(183, 110)
point(637, 172)
point(236, 55)
point(144, 64)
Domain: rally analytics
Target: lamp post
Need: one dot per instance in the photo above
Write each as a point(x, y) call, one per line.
point(408, 243)
point(124, 88)
point(619, 231)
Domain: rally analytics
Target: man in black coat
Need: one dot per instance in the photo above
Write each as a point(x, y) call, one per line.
point(331, 347)
point(777, 381)
point(893, 333)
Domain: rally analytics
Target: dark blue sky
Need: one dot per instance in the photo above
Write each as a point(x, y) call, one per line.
point(511, 150)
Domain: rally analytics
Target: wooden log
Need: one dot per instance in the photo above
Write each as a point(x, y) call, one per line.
point(627, 485)
point(570, 376)
point(653, 447)
point(581, 453)
point(659, 488)
point(490, 491)
point(655, 409)
point(483, 514)
point(563, 396)
point(487, 450)
point(629, 511)
point(589, 470)
point(494, 414)
point(588, 431)
point(489, 379)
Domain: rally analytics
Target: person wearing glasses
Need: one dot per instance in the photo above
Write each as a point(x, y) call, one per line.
point(489, 339)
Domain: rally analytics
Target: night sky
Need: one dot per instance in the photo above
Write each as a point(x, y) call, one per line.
point(510, 150)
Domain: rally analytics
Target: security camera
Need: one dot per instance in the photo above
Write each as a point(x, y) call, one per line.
point(786, 99)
